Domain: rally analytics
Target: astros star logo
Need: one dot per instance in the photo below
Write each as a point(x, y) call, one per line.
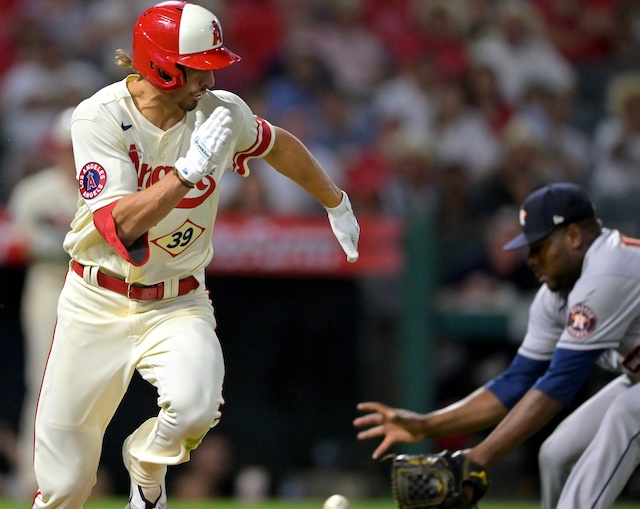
point(581, 322)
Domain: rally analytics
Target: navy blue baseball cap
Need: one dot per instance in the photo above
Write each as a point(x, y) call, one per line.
point(549, 208)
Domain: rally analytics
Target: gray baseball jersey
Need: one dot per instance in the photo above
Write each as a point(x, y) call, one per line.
point(602, 311)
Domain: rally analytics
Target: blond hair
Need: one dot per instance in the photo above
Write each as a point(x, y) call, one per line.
point(122, 59)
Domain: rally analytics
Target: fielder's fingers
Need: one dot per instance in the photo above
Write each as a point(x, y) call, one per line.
point(374, 432)
point(367, 420)
point(382, 448)
point(371, 406)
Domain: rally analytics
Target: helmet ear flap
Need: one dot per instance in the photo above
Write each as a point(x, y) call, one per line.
point(161, 72)
point(170, 81)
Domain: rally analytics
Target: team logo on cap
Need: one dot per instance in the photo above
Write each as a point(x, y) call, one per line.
point(217, 33)
point(92, 179)
point(523, 215)
point(582, 321)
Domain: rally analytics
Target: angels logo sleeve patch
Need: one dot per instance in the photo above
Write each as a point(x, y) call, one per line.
point(92, 180)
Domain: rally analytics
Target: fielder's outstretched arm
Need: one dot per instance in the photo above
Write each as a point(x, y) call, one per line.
point(477, 411)
point(550, 394)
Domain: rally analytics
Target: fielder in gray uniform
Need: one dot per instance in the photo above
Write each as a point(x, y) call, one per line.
point(586, 312)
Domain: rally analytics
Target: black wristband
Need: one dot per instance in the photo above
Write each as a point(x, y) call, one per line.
point(182, 180)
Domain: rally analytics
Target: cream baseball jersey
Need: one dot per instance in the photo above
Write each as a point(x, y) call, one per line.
point(118, 152)
point(601, 311)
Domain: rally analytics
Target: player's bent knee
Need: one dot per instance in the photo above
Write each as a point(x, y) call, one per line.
point(195, 420)
point(553, 455)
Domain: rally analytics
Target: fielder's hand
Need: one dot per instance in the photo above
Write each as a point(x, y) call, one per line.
point(393, 424)
point(209, 143)
point(345, 227)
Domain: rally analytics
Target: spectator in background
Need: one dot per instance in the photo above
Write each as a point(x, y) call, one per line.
point(43, 81)
point(584, 32)
point(8, 34)
point(341, 126)
point(519, 54)
point(548, 113)
point(413, 183)
point(616, 153)
point(626, 35)
point(461, 135)
point(107, 25)
point(255, 28)
point(248, 197)
point(486, 98)
point(480, 16)
point(42, 206)
point(442, 27)
point(394, 23)
point(353, 53)
point(522, 168)
point(214, 473)
point(297, 83)
point(456, 220)
point(409, 98)
point(210, 473)
point(65, 21)
point(396, 172)
point(491, 271)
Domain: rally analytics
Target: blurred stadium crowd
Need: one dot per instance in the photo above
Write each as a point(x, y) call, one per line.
point(469, 104)
point(461, 107)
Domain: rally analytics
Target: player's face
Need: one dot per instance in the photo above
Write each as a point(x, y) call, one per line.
point(198, 82)
point(555, 261)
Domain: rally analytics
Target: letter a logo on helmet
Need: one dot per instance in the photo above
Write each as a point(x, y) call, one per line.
point(173, 34)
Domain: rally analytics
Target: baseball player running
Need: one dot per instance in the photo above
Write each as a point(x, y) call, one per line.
point(587, 311)
point(150, 151)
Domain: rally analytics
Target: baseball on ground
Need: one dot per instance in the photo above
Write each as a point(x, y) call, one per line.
point(336, 502)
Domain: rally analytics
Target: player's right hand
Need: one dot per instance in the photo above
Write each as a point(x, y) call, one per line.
point(209, 143)
point(394, 424)
point(345, 227)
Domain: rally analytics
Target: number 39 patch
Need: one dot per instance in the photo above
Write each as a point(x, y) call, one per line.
point(177, 241)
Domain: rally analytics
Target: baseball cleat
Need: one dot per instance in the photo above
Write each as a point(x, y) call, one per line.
point(138, 500)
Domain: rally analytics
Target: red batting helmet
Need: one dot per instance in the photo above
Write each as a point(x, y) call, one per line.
point(176, 33)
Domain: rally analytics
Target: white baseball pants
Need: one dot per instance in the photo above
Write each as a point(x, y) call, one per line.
point(101, 338)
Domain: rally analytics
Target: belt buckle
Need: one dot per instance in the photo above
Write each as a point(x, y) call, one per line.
point(129, 286)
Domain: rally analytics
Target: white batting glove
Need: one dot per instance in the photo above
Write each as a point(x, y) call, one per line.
point(209, 143)
point(345, 227)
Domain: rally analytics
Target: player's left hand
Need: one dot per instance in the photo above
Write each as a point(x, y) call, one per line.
point(345, 227)
point(208, 145)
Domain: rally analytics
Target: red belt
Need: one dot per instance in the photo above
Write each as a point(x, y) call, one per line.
point(136, 292)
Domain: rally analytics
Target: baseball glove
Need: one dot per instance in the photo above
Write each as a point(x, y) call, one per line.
point(423, 481)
